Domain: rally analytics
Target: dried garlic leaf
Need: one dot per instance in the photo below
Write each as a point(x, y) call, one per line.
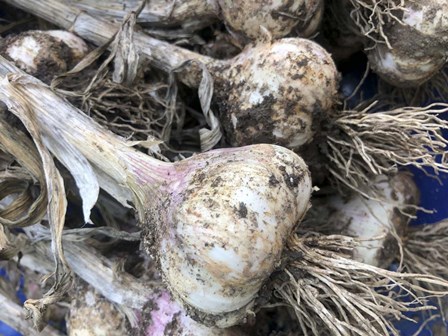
point(126, 59)
point(17, 103)
point(209, 137)
point(9, 245)
point(23, 209)
point(81, 170)
point(12, 314)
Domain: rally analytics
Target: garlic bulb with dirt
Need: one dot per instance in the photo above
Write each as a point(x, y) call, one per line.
point(270, 93)
point(44, 54)
point(276, 92)
point(408, 39)
point(243, 18)
point(378, 224)
point(217, 222)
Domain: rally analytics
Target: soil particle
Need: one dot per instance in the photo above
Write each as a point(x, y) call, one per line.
point(242, 210)
point(273, 181)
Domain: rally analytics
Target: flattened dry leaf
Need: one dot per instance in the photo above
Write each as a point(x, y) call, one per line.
point(126, 59)
point(17, 103)
point(209, 137)
point(23, 209)
point(81, 170)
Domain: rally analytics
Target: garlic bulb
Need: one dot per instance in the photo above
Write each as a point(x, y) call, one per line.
point(418, 45)
point(279, 18)
point(244, 18)
point(375, 222)
point(217, 222)
point(44, 54)
point(244, 203)
point(275, 92)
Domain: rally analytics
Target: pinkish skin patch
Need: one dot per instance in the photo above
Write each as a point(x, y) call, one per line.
point(161, 317)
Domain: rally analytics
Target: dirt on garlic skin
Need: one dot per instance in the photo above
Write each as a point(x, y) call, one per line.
point(279, 18)
point(225, 228)
point(276, 92)
point(419, 48)
point(41, 54)
point(404, 191)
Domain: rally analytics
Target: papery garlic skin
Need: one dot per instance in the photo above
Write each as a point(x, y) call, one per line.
point(419, 45)
point(373, 222)
point(277, 92)
point(44, 54)
point(278, 17)
point(225, 227)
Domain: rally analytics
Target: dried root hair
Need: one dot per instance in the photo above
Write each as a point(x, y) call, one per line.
point(138, 112)
point(367, 141)
point(331, 294)
point(425, 250)
point(140, 105)
point(371, 17)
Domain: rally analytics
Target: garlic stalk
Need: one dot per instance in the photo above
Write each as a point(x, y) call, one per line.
point(244, 18)
point(217, 222)
point(270, 93)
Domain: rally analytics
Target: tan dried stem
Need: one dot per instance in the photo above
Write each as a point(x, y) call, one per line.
point(331, 294)
point(371, 17)
point(365, 143)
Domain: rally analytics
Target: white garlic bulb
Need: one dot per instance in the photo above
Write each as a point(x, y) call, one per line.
point(419, 46)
